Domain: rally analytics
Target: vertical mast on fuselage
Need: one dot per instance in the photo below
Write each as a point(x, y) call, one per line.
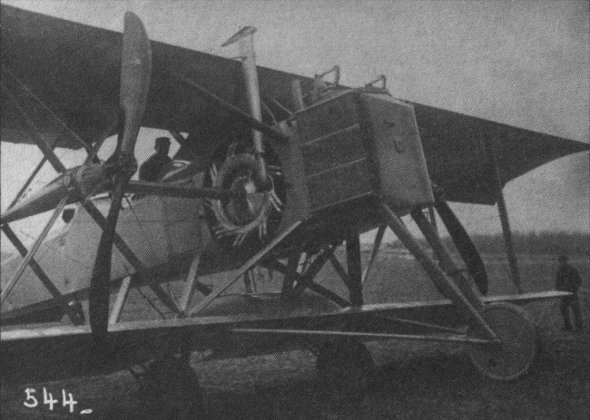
point(245, 37)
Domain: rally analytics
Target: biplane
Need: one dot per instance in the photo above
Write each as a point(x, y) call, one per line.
point(274, 171)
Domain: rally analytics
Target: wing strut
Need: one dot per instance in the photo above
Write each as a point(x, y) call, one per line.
point(490, 151)
point(31, 177)
point(121, 299)
point(376, 247)
point(355, 270)
point(132, 77)
point(443, 254)
point(25, 262)
point(468, 305)
point(193, 283)
point(75, 316)
point(34, 133)
point(92, 211)
point(305, 280)
point(245, 267)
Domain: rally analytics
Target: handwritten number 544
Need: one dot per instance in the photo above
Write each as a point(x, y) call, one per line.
point(32, 402)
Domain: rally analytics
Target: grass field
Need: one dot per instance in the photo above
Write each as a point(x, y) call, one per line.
point(411, 380)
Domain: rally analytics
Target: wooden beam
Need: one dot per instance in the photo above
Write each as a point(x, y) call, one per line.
point(327, 293)
point(305, 280)
point(133, 260)
point(314, 268)
point(90, 208)
point(31, 177)
point(193, 283)
point(23, 87)
point(33, 132)
point(445, 259)
point(235, 111)
point(355, 270)
point(74, 316)
point(339, 270)
point(376, 246)
point(512, 260)
point(245, 267)
point(366, 335)
point(120, 301)
point(290, 274)
point(438, 277)
point(297, 95)
point(31, 253)
point(432, 217)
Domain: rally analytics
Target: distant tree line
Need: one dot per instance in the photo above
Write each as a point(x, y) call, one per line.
point(550, 243)
point(570, 243)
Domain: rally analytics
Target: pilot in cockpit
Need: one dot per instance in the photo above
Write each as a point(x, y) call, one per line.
point(151, 168)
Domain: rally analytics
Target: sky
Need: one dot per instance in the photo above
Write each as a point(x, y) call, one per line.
point(523, 63)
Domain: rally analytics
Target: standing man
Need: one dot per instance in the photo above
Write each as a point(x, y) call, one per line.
point(151, 168)
point(568, 280)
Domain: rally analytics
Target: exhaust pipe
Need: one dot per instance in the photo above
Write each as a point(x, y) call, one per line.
point(245, 39)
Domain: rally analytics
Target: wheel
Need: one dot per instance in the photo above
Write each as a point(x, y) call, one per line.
point(170, 390)
point(514, 355)
point(344, 368)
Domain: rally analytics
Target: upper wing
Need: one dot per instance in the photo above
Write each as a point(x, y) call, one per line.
point(455, 149)
point(74, 70)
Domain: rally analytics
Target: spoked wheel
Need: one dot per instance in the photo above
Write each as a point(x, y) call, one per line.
point(344, 369)
point(514, 355)
point(170, 390)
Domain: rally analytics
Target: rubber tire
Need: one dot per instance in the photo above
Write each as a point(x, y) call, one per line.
point(514, 357)
point(344, 369)
point(170, 390)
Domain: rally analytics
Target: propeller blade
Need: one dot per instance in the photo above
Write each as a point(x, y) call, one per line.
point(98, 309)
point(136, 64)
point(464, 245)
point(136, 70)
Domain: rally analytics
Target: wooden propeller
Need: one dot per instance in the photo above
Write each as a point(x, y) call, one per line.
point(464, 245)
point(136, 65)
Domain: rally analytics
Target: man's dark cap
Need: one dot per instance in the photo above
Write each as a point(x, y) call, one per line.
point(562, 258)
point(162, 141)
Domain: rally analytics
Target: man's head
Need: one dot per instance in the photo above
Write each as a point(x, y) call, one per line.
point(162, 145)
point(562, 259)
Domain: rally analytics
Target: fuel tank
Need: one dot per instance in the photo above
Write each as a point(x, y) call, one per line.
point(346, 154)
